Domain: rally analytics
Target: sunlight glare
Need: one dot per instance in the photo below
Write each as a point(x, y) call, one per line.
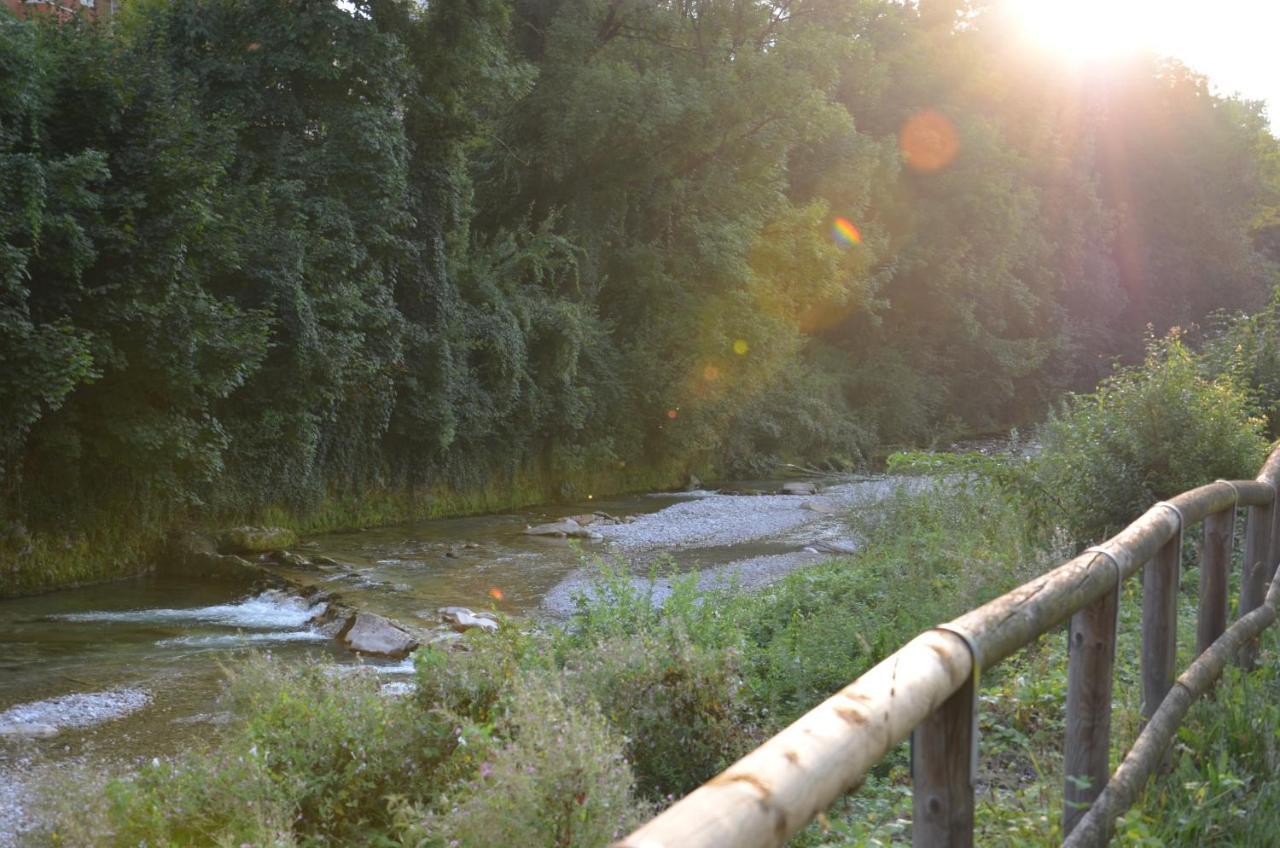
point(1231, 41)
point(1087, 30)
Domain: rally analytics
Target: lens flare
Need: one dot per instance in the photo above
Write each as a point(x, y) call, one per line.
point(845, 233)
point(741, 347)
point(928, 141)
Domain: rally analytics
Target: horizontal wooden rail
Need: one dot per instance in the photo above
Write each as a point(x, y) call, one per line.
point(927, 688)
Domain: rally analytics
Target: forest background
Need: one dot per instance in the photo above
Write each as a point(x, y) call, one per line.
point(328, 266)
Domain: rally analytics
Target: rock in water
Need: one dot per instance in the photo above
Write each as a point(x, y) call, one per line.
point(373, 634)
point(462, 619)
point(799, 488)
point(568, 527)
point(255, 540)
point(290, 559)
point(334, 620)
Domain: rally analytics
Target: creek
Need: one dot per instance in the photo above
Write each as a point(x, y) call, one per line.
point(103, 677)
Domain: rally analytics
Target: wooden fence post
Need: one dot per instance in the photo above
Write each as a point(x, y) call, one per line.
point(1215, 565)
point(943, 759)
point(1159, 624)
point(1091, 657)
point(1257, 549)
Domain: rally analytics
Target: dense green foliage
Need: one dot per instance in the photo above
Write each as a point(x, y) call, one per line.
point(290, 258)
point(1147, 433)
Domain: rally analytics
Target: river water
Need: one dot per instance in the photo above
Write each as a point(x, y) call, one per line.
point(132, 670)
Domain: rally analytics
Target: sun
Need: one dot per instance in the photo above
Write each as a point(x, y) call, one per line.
point(1086, 31)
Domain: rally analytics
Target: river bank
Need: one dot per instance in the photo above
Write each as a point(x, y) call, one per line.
point(129, 541)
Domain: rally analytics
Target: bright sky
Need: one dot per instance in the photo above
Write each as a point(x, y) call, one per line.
point(1236, 43)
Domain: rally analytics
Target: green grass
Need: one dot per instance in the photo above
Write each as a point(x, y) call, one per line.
point(1223, 787)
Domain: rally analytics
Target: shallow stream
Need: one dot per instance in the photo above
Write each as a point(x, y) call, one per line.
point(132, 670)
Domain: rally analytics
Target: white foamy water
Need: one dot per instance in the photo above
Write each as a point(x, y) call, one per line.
point(81, 709)
point(398, 688)
point(268, 610)
point(231, 640)
point(405, 666)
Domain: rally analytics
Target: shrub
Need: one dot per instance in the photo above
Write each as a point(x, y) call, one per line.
point(313, 762)
point(617, 604)
point(213, 798)
point(561, 779)
point(1147, 433)
point(664, 661)
point(337, 749)
point(1247, 347)
point(469, 684)
point(679, 705)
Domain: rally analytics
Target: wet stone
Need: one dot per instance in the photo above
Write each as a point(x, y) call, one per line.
point(373, 634)
point(290, 559)
point(27, 730)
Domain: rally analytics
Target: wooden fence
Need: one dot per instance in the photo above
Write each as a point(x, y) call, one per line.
point(928, 688)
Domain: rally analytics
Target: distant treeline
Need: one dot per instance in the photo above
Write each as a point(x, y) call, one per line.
point(266, 253)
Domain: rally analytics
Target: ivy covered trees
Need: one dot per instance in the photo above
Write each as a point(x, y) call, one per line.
point(291, 256)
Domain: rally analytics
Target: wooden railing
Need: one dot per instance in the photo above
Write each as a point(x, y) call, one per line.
point(928, 688)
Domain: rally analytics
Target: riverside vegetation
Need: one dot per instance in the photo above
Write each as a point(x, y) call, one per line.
point(327, 265)
point(569, 735)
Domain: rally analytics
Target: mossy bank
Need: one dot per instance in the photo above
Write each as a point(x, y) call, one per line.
point(127, 544)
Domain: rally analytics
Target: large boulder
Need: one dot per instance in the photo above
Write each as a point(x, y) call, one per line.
point(373, 634)
point(255, 540)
